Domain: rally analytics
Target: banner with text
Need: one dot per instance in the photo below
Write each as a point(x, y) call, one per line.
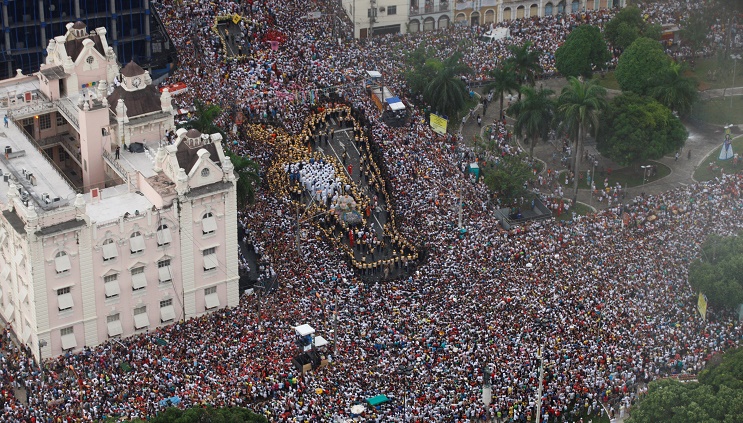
point(438, 124)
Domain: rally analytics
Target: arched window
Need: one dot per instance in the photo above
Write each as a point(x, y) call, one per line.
point(110, 252)
point(163, 235)
point(208, 224)
point(548, 9)
point(136, 243)
point(62, 262)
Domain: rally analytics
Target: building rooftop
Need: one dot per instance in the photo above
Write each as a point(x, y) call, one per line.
point(116, 202)
point(27, 165)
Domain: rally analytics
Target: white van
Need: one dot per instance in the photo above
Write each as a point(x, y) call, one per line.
point(495, 34)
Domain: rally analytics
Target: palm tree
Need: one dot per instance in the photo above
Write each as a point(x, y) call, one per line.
point(204, 116)
point(446, 92)
point(504, 80)
point(676, 91)
point(579, 107)
point(246, 171)
point(525, 63)
point(534, 115)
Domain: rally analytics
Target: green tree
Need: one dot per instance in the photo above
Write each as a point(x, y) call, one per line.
point(445, 91)
point(418, 74)
point(246, 171)
point(628, 25)
point(707, 401)
point(718, 273)
point(504, 81)
point(206, 415)
point(641, 65)
point(204, 117)
point(635, 129)
point(583, 50)
point(579, 109)
point(676, 91)
point(694, 31)
point(507, 178)
point(525, 63)
point(534, 115)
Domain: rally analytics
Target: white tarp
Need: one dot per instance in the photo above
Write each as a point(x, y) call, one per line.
point(320, 341)
point(304, 330)
point(397, 106)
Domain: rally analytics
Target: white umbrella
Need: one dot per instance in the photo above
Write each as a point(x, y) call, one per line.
point(358, 409)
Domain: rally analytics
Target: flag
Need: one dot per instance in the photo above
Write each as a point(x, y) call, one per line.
point(702, 305)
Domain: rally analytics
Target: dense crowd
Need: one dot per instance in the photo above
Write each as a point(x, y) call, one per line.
point(606, 296)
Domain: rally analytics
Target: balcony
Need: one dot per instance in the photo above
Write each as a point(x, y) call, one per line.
point(429, 8)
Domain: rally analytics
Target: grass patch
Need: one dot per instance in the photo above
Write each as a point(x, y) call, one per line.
point(711, 165)
point(724, 75)
point(608, 81)
point(630, 176)
point(718, 111)
point(579, 209)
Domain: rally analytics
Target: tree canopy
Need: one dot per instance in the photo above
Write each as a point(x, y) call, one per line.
point(716, 398)
point(628, 25)
point(675, 90)
point(507, 178)
point(208, 414)
point(718, 273)
point(636, 128)
point(534, 115)
point(439, 82)
point(641, 66)
point(583, 51)
point(579, 109)
point(525, 63)
point(504, 81)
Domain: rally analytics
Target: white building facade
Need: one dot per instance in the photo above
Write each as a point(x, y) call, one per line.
point(380, 17)
point(106, 229)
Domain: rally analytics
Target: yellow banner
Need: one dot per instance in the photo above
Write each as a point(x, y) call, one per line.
point(236, 18)
point(438, 124)
point(702, 306)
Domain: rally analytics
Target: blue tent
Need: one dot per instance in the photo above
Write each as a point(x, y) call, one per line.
point(169, 402)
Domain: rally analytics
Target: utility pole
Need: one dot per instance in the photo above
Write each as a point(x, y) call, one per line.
point(335, 328)
point(540, 357)
point(299, 251)
point(460, 209)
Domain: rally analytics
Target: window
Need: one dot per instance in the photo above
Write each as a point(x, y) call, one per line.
point(114, 325)
point(111, 285)
point(141, 319)
point(211, 298)
point(62, 262)
point(45, 121)
point(90, 60)
point(68, 338)
point(208, 224)
point(167, 312)
point(109, 250)
point(27, 122)
point(163, 235)
point(210, 258)
point(64, 299)
point(163, 269)
point(136, 243)
point(371, 12)
point(139, 281)
point(61, 120)
point(392, 10)
point(204, 172)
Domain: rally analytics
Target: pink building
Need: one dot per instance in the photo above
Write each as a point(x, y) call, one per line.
point(107, 230)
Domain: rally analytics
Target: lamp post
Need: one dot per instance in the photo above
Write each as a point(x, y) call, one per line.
point(645, 173)
point(735, 58)
point(42, 344)
point(405, 371)
point(542, 323)
point(487, 389)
